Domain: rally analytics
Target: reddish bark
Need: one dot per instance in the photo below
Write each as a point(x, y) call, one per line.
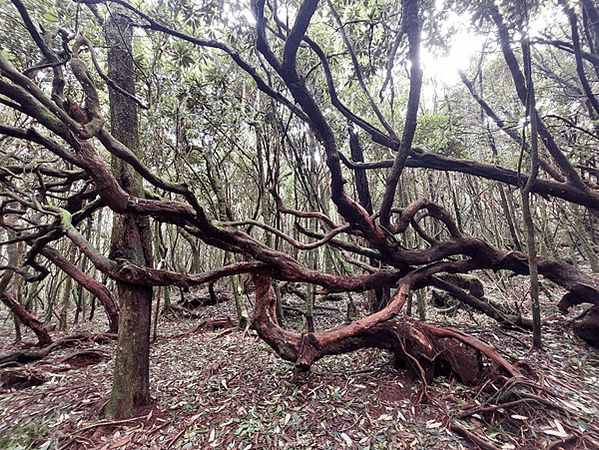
point(415, 343)
point(473, 342)
point(412, 268)
point(89, 283)
point(27, 319)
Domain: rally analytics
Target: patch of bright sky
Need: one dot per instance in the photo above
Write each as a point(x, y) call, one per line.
point(462, 47)
point(465, 44)
point(233, 14)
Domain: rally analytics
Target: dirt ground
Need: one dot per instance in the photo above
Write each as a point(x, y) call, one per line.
point(226, 389)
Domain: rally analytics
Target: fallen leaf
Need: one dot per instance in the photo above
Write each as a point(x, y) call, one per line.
point(559, 427)
point(347, 439)
point(121, 443)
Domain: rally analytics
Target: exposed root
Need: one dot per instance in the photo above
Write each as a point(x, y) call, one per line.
point(475, 438)
point(20, 379)
point(522, 404)
point(216, 324)
point(83, 358)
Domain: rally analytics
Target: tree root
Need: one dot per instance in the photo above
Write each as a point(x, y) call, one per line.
point(35, 355)
point(519, 404)
point(472, 437)
point(20, 379)
point(557, 445)
point(422, 348)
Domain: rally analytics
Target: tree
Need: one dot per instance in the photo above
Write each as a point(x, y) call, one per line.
point(308, 84)
point(131, 234)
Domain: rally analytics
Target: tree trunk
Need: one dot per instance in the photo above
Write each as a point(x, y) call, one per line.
point(5, 279)
point(380, 296)
point(130, 235)
point(526, 197)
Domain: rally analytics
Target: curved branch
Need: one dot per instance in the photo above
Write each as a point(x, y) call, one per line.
point(52, 58)
point(476, 303)
point(412, 27)
point(433, 209)
point(25, 316)
point(33, 135)
point(82, 40)
point(327, 338)
point(347, 246)
point(89, 283)
point(92, 100)
point(30, 97)
point(328, 237)
point(474, 343)
point(305, 214)
point(421, 159)
point(302, 20)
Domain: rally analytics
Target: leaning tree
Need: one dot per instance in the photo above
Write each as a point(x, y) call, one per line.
point(341, 80)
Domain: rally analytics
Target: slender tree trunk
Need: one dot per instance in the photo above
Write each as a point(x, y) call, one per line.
point(5, 279)
point(586, 245)
point(130, 235)
point(242, 314)
point(531, 113)
point(509, 217)
point(81, 296)
point(65, 303)
point(378, 297)
point(225, 213)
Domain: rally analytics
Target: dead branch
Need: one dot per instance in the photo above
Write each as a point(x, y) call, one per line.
point(35, 355)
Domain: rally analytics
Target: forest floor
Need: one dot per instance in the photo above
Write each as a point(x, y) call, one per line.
point(226, 389)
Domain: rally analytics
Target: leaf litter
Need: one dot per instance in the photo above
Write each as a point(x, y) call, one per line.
point(228, 390)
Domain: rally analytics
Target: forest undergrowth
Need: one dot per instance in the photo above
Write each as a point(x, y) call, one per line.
point(225, 389)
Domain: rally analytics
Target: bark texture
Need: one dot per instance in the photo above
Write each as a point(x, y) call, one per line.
point(27, 319)
point(426, 350)
point(130, 235)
